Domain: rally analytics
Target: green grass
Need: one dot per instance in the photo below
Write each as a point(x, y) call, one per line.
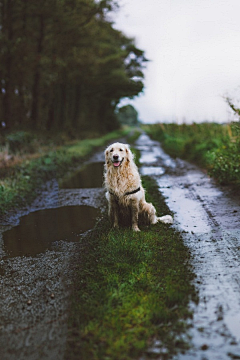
point(213, 146)
point(20, 184)
point(129, 289)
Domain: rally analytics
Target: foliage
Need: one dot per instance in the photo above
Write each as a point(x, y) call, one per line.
point(19, 141)
point(213, 146)
point(64, 66)
point(128, 115)
point(128, 288)
point(233, 107)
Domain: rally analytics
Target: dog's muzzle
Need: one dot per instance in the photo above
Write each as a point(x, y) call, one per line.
point(116, 162)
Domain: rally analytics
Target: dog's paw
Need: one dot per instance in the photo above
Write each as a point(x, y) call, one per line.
point(136, 228)
point(166, 219)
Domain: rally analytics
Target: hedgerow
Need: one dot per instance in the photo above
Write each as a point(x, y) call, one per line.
point(213, 146)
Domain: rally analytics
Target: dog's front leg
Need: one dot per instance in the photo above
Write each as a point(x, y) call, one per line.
point(113, 211)
point(135, 211)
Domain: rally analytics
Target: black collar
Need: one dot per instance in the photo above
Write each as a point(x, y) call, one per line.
point(132, 192)
point(127, 193)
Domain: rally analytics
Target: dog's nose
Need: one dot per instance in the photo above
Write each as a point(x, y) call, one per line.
point(115, 157)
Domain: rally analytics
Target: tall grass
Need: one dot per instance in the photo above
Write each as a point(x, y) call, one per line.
point(212, 146)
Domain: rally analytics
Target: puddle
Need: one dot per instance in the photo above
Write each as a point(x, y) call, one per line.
point(90, 176)
point(151, 152)
point(38, 230)
point(233, 323)
point(152, 170)
point(189, 213)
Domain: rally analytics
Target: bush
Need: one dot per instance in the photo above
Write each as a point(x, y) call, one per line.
point(20, 141)
point(226, 165)
point(213, 146)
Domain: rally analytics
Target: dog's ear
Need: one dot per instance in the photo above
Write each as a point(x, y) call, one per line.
point(129, 153)
point(106, 156)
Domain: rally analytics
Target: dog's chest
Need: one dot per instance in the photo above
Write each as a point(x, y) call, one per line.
point(120, 183)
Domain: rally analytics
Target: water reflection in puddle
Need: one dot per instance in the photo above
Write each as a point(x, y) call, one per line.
point(149, 157)
point(152, 170)
point(189, 213)
point(233, 323)
point(38, 230)
point(90, 176)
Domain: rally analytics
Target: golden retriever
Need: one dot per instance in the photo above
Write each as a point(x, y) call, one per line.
point(125, 193)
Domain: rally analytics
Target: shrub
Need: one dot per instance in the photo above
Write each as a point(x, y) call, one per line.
point(213, 146)
point(20, 141)
point(226, 165)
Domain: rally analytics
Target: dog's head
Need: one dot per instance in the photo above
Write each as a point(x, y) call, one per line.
point(117, 154)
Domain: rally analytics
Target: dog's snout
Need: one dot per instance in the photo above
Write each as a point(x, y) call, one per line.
point(115, 157)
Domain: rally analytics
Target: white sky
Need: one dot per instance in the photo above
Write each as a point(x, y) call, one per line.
point(194, 48)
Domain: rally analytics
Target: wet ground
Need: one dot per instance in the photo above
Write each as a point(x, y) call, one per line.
point(209, 218)
point(38, 244)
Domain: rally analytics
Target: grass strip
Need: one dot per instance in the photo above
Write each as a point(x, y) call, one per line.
point(20, 185)
point(130, 288)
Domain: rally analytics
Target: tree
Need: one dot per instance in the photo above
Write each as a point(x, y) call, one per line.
point(63, 65)
point(128, 115)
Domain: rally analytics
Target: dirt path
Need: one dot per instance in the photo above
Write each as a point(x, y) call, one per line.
point(35, 274)
point(209, 218)
point(34, 289)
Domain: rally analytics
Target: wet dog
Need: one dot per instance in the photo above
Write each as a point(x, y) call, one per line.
point(125, 193)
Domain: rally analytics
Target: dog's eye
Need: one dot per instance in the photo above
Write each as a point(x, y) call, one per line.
point(111, 150)
point(121, 149)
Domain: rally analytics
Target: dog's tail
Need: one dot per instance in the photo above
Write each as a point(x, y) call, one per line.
point(166, 219)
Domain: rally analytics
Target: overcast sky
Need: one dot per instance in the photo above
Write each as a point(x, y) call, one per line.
point(194, 48)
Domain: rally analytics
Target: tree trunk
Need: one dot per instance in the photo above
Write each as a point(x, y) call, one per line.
point(22, 107)
point(37, 77)
point(7, 29)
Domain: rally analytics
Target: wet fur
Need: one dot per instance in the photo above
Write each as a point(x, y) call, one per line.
point(125, 178)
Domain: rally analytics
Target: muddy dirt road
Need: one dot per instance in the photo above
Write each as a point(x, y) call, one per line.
point(37, 247)
point(34, 278)
point(209, 217)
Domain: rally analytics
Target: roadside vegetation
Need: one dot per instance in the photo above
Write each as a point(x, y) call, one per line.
point(131, 289)
point(213, 146)
point(28, 161)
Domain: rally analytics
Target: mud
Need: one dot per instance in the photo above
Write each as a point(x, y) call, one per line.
point(208, 216)
point(38, 247)
point(89, 176)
